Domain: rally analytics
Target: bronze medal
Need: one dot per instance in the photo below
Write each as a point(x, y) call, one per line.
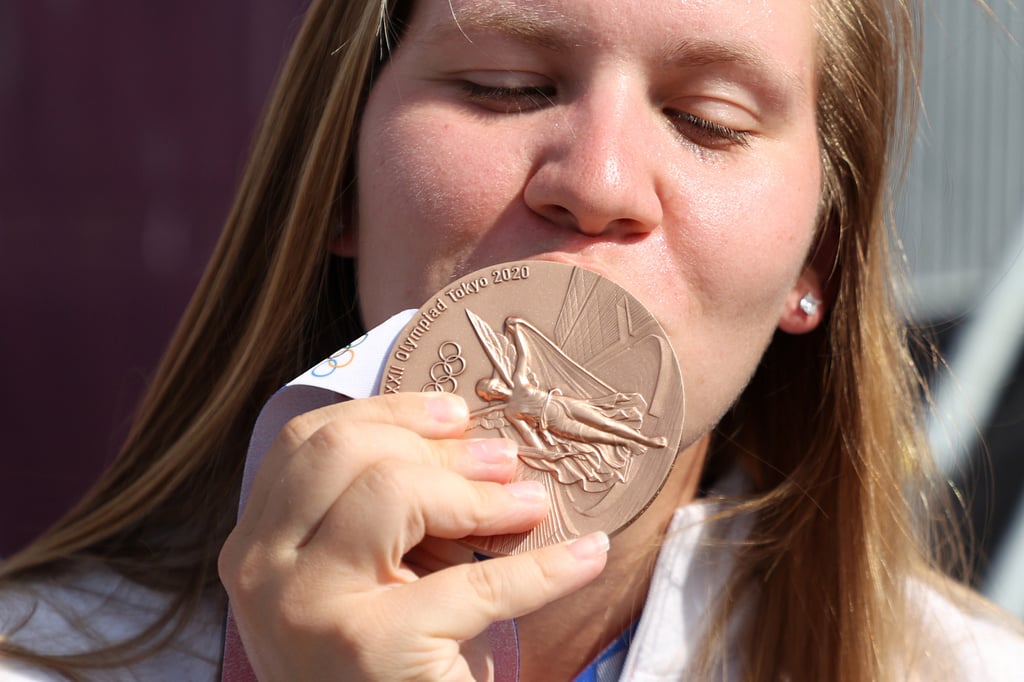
point(569, 365)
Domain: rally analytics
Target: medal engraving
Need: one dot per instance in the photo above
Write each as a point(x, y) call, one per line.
point(570, 366)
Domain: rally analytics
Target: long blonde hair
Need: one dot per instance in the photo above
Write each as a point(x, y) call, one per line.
point(826, 429)
point(829, 428)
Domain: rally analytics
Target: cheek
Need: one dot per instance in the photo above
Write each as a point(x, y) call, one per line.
point(756, 229)
point(449, 184)
point(408, 198)
point(429, 188)
point(742, 259)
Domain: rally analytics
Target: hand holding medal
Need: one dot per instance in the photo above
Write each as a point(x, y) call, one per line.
point(574, 417)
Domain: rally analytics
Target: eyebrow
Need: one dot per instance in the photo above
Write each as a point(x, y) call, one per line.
point(696, 52)
point(541, 27)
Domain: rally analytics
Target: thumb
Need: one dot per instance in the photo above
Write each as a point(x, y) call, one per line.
point(466, 599)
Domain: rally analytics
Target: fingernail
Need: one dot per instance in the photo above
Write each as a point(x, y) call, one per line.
point(492, 450)
point(590, 546)
point(444, 407)
point(527, 491)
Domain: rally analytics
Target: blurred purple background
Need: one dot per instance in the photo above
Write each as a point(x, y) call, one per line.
point(123, 130)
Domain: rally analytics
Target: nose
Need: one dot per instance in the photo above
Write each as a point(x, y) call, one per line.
point(597, 171)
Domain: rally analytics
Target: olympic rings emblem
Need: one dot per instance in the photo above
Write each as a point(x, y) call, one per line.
point(444, 371)
point(339, 360)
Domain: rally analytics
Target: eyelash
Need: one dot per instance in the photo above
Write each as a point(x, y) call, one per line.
point(508, 100)
point(709, 133)
point(511, 100)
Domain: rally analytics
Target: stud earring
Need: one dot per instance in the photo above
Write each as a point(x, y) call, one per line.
point(809, 304)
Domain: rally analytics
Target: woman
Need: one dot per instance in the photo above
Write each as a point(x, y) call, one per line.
point(723, 162)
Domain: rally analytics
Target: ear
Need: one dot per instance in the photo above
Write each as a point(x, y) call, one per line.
point(343, 241)
point(814, 290)
point(806, 305)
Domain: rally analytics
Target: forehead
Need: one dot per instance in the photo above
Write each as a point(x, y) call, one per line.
point(771, 33)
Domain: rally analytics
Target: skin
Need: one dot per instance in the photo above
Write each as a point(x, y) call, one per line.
point(670, 146)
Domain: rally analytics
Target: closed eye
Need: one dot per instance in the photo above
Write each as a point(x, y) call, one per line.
point(707, 133)
point(509, 100)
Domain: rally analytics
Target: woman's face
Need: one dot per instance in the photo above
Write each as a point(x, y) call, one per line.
point(669, 145)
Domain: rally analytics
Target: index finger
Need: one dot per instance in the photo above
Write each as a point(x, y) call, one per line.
point(431, 415)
